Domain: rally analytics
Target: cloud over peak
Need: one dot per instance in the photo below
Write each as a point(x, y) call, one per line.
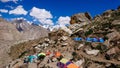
point(19, 10)
point(42, 15)
point(63, 20)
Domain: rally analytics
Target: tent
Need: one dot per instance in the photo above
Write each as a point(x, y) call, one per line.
point(63, 60)
point(89, 39)
point(31, 58)
point(95, 40)
point(72, 66)
point(41, 54)
point(69, 62)
point(57, 54)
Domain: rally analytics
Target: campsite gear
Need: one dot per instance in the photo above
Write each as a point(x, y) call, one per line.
point(78, 39)
point(57, 54)
point(26, 60)
point(72, 66)
point(101, 40)
point(41, 56)
point(88, 39)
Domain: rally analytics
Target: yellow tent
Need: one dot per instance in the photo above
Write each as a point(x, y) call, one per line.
point(63, 60)
point(41, 54)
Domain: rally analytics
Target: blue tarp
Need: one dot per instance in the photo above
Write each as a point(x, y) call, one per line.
point(78, 39)
point(88, 39)
point(95, 40)
point(101, 40)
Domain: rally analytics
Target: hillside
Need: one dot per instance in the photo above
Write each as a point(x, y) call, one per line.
point(85, 53)
point(10, 35)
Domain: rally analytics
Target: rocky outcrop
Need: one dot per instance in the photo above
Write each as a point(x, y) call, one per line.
point(81, 18)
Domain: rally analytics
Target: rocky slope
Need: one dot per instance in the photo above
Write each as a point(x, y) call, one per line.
point(82, 53)
point(10, 34)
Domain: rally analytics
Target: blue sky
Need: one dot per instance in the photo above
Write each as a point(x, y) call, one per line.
point(52, 12)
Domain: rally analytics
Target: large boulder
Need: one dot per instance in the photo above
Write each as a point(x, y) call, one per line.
point(81, 18)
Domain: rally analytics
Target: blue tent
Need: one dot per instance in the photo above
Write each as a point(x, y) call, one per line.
point(31, 58)
point(88, 39)
point(68, 63)
point(78, 39)
point(95, 40)
point(101, 40)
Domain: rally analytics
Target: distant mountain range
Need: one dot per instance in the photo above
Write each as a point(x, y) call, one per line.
point(17, 31)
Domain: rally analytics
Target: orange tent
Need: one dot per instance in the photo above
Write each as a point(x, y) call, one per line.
point(57, 54)
point(72, 66)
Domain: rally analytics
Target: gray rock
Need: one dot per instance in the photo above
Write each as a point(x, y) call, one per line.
point(32, 65)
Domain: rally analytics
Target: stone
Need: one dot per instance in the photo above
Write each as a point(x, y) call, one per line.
point(80, 62)
point(113, 51)
point(92, 52)
point(116, 22)
point(32, 65)
point(64, 38)
point(81, 45)
point(65, 44)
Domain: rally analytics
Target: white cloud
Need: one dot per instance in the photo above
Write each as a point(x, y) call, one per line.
point(42, 15)
point(11, 7)
point(19, 10)
point(3, 10)
point(63, 20)
point(4, 1)
point(0, 15)
point(46, 21)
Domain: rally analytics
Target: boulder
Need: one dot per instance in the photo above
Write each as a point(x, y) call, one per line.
point(113, 51)
point(92, 52)
point(81, 18)
point(116, 22)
